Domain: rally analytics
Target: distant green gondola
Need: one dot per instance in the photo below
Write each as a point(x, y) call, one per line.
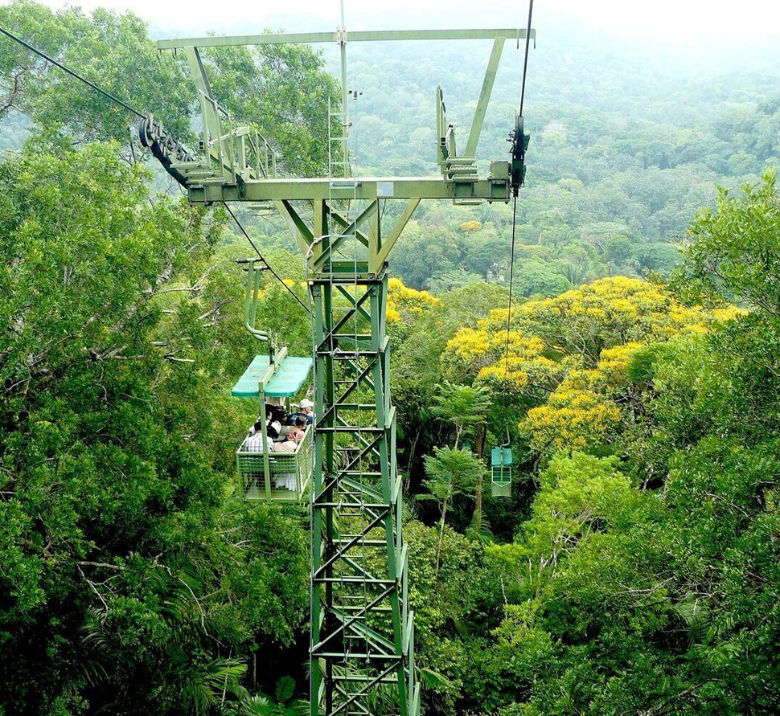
point(501, 472)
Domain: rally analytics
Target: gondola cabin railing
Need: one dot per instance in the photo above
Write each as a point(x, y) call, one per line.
point(285, 478)
point(501, 472)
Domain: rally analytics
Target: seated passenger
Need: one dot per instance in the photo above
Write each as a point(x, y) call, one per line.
point(273, 426)
point(289, 444)
point(256, 439)
point(280, 415)
point(298, 431)
point(286, 480)
point(273, 429)
point(306, 412)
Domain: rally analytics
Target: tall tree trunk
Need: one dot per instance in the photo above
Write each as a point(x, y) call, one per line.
point(441, 531)
point(478, 492)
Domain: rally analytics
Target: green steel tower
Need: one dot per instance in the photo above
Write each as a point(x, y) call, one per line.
point(362, 627)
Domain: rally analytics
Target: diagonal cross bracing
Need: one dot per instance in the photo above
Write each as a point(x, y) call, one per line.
point(360, 616)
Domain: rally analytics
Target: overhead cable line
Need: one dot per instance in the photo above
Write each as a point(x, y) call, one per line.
point(72, 73)
point(525, 60)
point(514, 203)
point(263, 259)
point(511, 283)
point(113, 98)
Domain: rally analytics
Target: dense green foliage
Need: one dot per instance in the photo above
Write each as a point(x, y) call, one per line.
point(131, 576)
point(636, 567)
point(284, 90)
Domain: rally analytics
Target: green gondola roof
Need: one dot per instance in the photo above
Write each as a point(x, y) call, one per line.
point(286, 382)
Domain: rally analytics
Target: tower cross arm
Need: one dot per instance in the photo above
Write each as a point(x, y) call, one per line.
point(364, 188)
point(287, 38)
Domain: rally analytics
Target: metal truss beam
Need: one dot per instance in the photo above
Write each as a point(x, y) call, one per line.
point(484, 97)
point(368, 188)
point(297, 38)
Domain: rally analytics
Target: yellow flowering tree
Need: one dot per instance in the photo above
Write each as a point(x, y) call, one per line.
point(606, 313)
point(471, 226)
point(568, 355)
point(517, 366)
point(571, 419)
point(404, 304)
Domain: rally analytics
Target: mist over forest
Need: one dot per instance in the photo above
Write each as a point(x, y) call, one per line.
point(628, 142)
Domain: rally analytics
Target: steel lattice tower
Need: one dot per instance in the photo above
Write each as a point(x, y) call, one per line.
point(362, 628)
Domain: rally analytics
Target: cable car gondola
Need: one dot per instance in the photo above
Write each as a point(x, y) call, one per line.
point(264, 474)
point(501, 470)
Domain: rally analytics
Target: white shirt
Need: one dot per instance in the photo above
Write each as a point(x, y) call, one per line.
point(254, 443)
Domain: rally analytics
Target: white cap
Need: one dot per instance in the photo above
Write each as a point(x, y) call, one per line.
point(306, 403)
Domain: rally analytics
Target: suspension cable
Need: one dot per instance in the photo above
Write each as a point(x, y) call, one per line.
point(514, 203)
point(511, 284)
point(264, 260)
point(113, 98)
point(525, 59)
point(72, 73)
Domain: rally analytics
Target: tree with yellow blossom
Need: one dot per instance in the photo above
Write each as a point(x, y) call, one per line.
point(405, 304)
point(568, 356)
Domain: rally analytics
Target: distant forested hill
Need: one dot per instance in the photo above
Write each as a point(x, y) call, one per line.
point(626, 145)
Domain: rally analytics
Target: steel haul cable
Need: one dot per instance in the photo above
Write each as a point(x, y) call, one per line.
point(514, 204)
point(511, 283)
point(72, 73)
point(525, 59)
point(264, 260)
point(126, 106)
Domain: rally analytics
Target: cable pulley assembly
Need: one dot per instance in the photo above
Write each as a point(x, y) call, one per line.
point(519, 140)
point(163, 146)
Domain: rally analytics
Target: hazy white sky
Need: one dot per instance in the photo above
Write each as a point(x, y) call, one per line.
point(681, 22)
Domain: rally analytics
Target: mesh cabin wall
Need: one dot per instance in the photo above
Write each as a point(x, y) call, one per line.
point(295, 467)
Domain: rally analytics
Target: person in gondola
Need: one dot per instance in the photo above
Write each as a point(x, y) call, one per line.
point(298, 430)
point(286, 480)
point(273, 424)
point(306, 411)
point(257, 438)
point(289, 442)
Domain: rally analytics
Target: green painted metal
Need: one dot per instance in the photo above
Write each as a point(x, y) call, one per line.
point(342, 138)
point(277, 476)
point(368, 188)
point(501, 472)
point(298, 38)
point(268, 475)
point(362, 629)
point(484, 97)
point(501, 456)
point(255, 268)
point(285, 382)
